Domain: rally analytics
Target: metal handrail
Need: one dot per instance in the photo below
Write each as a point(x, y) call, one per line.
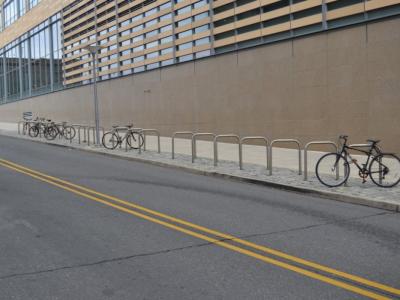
point(306, 156)
point(248, 138)
point(173, 140)
point(235, 136)
point(144, 131)
point(297, 142)
point(194, 138)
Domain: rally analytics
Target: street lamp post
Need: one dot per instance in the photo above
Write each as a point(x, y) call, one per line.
point(93, 51)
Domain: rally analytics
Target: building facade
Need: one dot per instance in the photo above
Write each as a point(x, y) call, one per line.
point(42, 52)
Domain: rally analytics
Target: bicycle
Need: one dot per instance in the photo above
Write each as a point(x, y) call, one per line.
point(39, 126)
point(62, 129)
point(113, 138)
point(333, 169)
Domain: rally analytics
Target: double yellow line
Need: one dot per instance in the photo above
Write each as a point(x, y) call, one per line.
point(277, 258)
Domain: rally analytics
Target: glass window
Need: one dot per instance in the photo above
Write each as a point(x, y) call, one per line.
point(183, 10)
point(200, 4)
point(138, 59)
point(184, 46)
point(137, 38)
point(137, 28)
point(151, 45)
point(166, 28)
point(166, 17)
point(184, 34)
point(152, 66)
point(138, 48)
point(166, 51)
point(150, 12)
point(185, 58)
point(151, 23)
point(138, 69)
point(202, 28)
point(165, 40)
point(202, 41)
point(184, 22)
point(167, 62)
point(151, 33)
point(201, 16)
point(165, 5)
point(152, 55)
point(203, 54)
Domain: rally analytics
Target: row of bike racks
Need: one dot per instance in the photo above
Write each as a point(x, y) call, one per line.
point(85, 132)
point(268, 148)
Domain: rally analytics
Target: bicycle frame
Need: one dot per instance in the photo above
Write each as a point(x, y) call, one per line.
point(370, 155)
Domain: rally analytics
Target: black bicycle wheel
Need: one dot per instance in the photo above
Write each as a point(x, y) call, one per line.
point(50, 133)
point(135, 140)
point(332, 170)
point(384, 170)
point(33, 131)
point(110, 140)
point(69, 132)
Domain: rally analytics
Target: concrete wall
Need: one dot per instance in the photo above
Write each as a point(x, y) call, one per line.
point(316, 87)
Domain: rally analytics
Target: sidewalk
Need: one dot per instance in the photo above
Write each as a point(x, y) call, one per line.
point(285, 167)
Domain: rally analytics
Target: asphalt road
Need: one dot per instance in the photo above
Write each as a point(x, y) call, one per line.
point(59, 241)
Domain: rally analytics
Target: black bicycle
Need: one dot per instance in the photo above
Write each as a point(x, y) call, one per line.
point(117, 135)
point(62, 129)
point(333, 169)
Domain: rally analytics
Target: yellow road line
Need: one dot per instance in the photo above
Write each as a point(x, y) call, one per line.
point(355, 289)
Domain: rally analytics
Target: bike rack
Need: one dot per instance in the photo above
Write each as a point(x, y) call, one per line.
point(19, 125)
point(235, 136)
point(308, 145)
point(157, 133)
point(79, 127)
point(194, 138)
point(294, 141)
point(173, 140)
point(248, 138)
point(93, 129)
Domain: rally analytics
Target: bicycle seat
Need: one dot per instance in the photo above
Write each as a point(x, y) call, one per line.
point(115, 126)
point(129, 126)
point(373, 141)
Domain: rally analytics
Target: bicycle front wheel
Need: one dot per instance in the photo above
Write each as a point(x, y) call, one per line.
point(332, 170)
point(50, 133)
point(135, 140)
point(69, 132)
point(110, 140)
point(384, 170)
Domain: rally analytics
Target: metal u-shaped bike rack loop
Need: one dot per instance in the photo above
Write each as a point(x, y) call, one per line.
point(79, 127)
point(248, 138)
point(93, 128)
point(157, 133)
point(23, 126)
point(308, 145)
point(294, 141)
point(235, 136)
point(177, 134)
point(194, 138)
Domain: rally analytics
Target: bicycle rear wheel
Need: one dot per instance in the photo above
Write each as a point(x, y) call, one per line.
point(332, 170)
point(110, 140)
point(384, 170)
point(33, 131)
point(135, 140)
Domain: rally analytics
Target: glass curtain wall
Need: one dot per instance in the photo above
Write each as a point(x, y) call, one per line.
point(14, 9)
point(32, 64)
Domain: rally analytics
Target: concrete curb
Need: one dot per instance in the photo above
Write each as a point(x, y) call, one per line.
point(323, 194)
